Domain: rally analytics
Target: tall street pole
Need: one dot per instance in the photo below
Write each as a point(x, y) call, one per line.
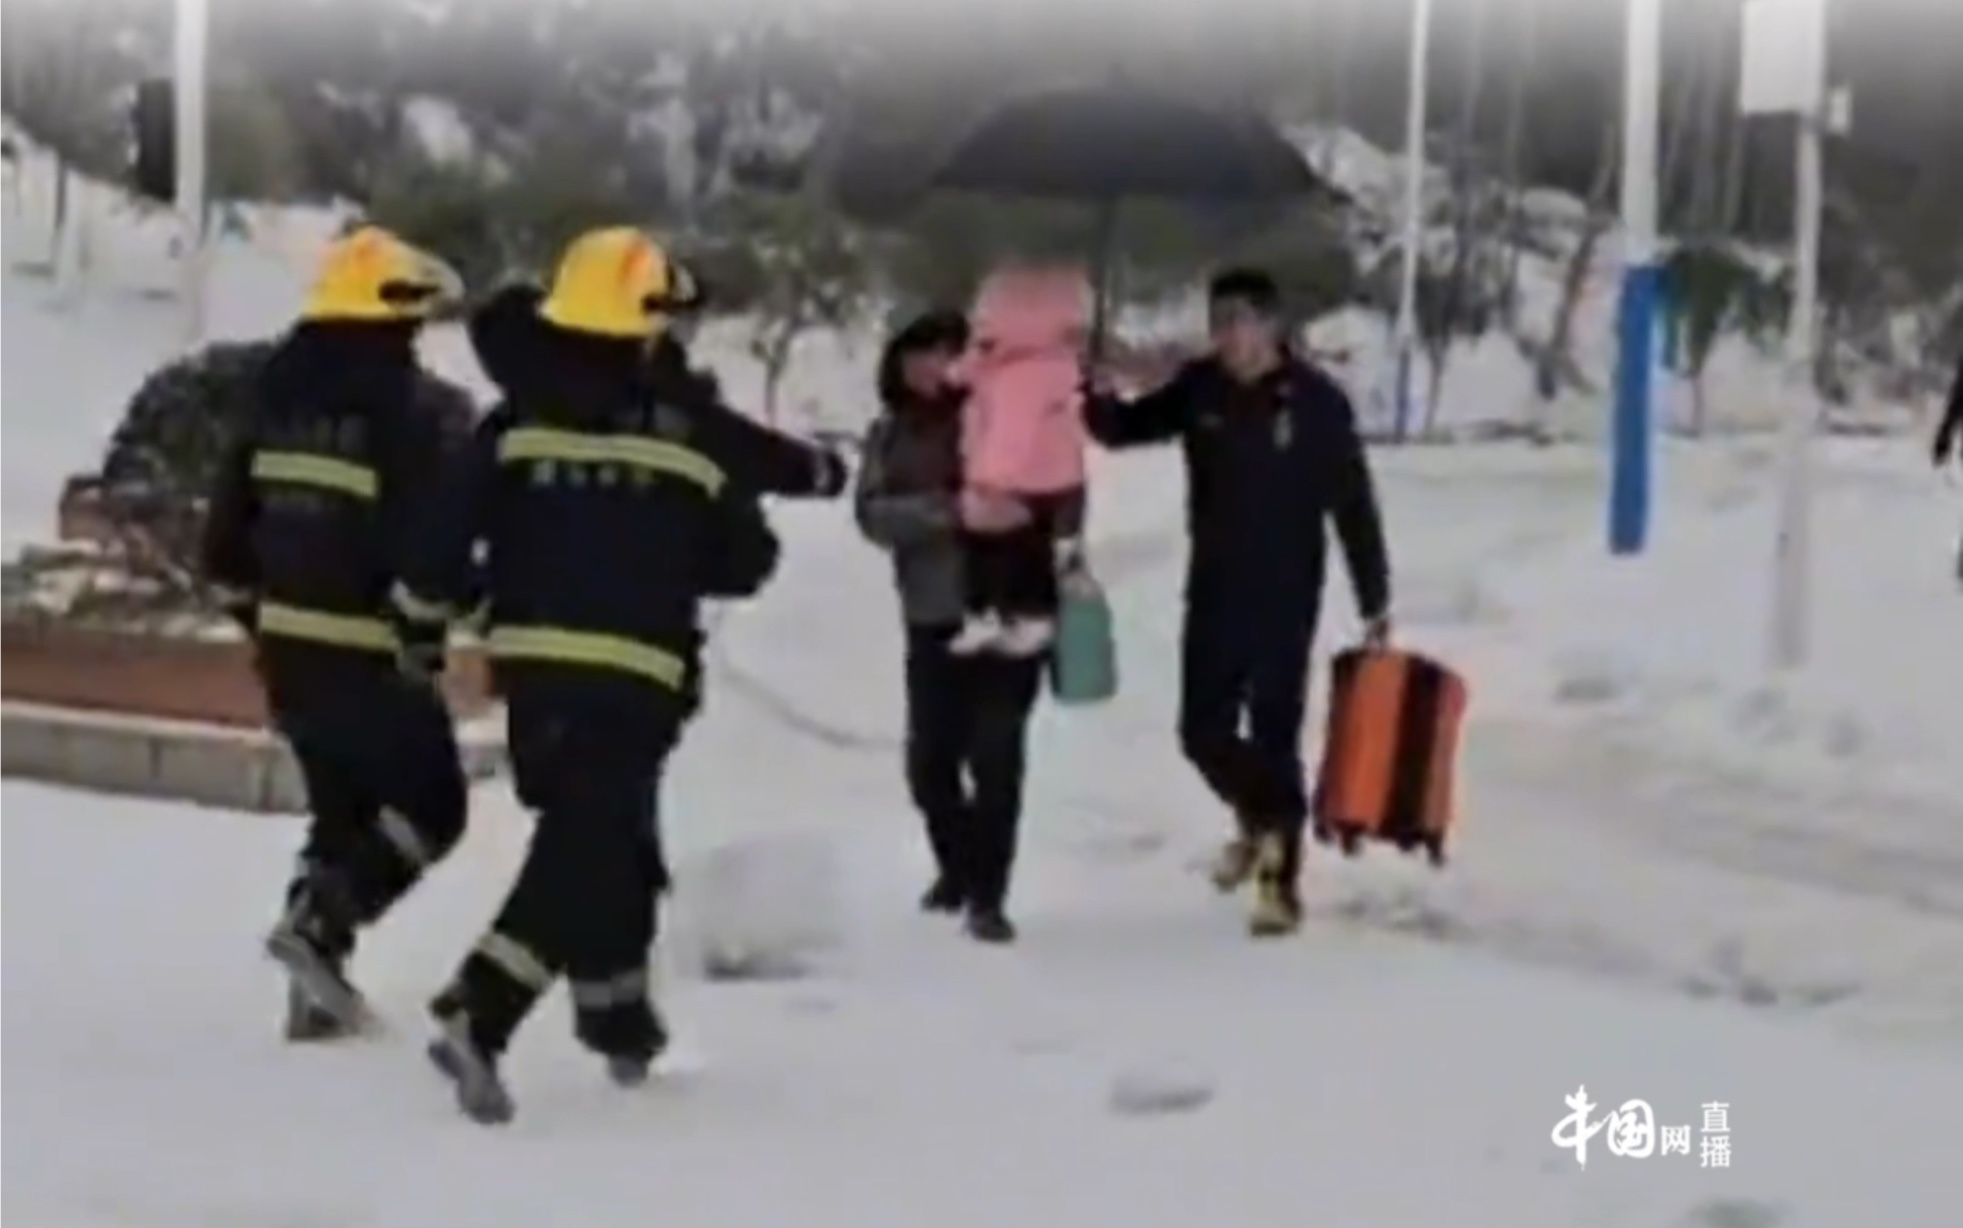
point(1633, 435)
point(1417, 102)
point(189, 85)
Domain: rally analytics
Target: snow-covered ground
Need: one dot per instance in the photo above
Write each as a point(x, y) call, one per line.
point(1649, 898)
point(1641, 800)
point(1675, 881)
point(1133, 1063)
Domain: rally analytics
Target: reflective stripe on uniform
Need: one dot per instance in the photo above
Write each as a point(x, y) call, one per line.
point(403, 837)
point(320, 627)
point(542, 443)
point(312, 469)
point(622, 989)
point(559, 646)
point(516, 961)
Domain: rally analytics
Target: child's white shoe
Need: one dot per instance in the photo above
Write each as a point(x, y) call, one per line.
point(1028, 637)
point(978, 634)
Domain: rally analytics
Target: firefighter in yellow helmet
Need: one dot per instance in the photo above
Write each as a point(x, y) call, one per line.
point(600, 527)
point(311, 503)
point(765, 460)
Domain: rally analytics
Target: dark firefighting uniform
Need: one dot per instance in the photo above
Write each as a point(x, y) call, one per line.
point(310, 509)
point(602, 527)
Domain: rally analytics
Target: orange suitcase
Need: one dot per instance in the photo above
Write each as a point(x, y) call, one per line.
point(1390, 752)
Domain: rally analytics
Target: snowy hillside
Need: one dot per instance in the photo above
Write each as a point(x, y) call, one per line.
point(1488, 380)
point(65, 390)
point(1676, 881)
point(118, 274)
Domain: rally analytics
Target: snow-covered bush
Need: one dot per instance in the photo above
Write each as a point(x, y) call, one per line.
point(767, 908)
point(164, 453)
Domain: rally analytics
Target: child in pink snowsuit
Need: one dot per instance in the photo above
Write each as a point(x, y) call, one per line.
point(1023, 448)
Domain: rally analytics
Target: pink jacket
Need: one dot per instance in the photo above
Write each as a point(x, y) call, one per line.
point(1022, 431)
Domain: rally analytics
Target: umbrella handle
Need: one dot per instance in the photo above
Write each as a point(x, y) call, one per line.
point(1104, 252)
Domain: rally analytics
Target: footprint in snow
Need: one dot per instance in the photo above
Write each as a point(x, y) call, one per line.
point(1159, 1091)
point(1735, 1213)
point(1045, 1044)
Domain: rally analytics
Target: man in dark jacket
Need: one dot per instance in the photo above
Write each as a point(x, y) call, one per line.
point(1947, 432)
point(603, 523)
point(1272, 456)
point(312, 502)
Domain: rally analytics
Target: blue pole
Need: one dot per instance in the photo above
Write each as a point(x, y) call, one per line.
point(1630, 434)
point(1642, 281)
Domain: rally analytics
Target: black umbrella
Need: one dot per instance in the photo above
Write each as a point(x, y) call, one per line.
point(1102, 145)
point(1107, 144)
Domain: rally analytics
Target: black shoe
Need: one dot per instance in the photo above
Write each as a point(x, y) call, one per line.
point(629, 1070)
point(946, 896)
point(311, 942)
point(472, 1069)
point(308, 1023)
point(990, 925)
point(630, 1037)
point(447, 1005)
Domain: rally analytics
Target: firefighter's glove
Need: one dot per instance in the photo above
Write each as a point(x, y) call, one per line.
point(832, 476)
point(421, 651)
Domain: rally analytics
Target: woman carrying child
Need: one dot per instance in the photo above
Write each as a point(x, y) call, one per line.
point(967, 717)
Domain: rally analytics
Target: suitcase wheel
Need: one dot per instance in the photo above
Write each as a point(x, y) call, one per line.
point(1435, 849)
point(1345, 836)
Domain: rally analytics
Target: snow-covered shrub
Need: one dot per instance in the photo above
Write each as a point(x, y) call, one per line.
point(164, 453)
point(767, 908)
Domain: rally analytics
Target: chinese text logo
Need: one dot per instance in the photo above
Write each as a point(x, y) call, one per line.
point(1630, 1132)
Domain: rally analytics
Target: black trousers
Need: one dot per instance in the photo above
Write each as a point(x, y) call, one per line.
point(1011, 574)
point(585, 902)
point(384, 777)
point(1243, 697)
point(967, 729)
point(1014, 573)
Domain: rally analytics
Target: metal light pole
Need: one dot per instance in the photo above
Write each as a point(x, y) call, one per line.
point(1632, 435)
point(1792, 558)
point(1418, 94)
point(192, 31)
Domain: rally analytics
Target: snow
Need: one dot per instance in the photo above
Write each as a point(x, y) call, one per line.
point(77, 345)
point(1881, 525)
point(441, 132)
point(1677, 880)
point(929, 1081)
point(119, 279)
point(1621, 913)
